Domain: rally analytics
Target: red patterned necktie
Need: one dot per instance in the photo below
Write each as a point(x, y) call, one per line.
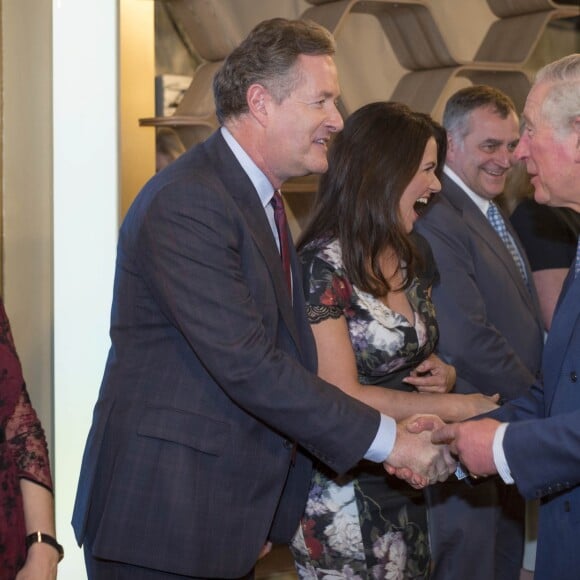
point(282, 226)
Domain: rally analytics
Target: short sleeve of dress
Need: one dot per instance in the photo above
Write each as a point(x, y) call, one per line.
point(25, 436)
point(328, 292)
point(23, 447)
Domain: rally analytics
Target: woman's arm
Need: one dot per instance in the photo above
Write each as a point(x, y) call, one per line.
point(42, 559)
point(337, 365)
point(25, 436)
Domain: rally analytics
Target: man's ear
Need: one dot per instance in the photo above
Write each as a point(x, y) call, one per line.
point(451, 147)
point(576, 131)
point(257, 97)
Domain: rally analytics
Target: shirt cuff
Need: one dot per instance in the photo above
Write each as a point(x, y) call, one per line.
point(384, 440)
point(499, 457)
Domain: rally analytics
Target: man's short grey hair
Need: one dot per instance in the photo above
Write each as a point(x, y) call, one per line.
point(561, 104)
point(268, 56)
point(461, 104)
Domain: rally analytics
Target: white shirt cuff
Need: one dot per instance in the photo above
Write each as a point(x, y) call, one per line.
point(384, 440)
point(499, 458)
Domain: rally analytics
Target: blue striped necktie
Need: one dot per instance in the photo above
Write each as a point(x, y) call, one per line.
point(496, 220)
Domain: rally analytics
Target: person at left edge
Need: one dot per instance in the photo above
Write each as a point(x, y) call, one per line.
point(28, 546)
point(191, 467)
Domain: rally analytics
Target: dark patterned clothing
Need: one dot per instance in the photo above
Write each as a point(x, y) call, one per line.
point(23, 453)
point(366, 525)
point(549, 234)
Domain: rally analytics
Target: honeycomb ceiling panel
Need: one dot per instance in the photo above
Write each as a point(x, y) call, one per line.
point(512, 40)
point(506, 8)
point(416, 51)
point(363, 80)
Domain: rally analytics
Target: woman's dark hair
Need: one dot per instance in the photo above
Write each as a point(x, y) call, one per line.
point(440, 136)
point(371, 162)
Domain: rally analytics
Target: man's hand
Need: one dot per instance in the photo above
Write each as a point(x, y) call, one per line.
point(414, 457)
point(471, 441)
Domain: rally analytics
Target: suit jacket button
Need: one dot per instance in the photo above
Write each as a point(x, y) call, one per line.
point(288, 444)
point(573, 376)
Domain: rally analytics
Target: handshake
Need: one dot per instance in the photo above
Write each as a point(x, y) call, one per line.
point(425, 449)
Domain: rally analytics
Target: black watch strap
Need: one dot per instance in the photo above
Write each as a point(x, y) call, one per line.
point(42, 538)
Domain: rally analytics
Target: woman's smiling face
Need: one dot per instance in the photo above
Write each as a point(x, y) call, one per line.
point(421, 188)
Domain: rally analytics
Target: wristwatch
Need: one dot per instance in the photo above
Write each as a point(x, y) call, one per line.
point(43, 538)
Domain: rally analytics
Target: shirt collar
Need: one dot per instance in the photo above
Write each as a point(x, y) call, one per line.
point(481, 202)
point(261, 183)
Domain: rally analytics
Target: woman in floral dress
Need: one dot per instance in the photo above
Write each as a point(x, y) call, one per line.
point(367, 281)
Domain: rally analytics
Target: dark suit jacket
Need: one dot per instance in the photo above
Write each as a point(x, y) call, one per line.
point(491, 330)
point(544, 455)
point(187, 466)
point(490, 324)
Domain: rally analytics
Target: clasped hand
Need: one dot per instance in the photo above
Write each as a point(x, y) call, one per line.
point(470, 441)
point(415, 458)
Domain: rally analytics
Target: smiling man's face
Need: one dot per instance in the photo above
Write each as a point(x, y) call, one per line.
point(483, 157)
point(300, 127)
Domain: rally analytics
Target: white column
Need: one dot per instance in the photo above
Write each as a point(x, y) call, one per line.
point(86, 194)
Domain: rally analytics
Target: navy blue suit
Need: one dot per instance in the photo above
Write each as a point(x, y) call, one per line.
point(544, 455)
point(188, 466)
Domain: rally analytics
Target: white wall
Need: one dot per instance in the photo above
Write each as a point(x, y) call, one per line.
point(85, 166)
point(60, 64)
point(27, 192)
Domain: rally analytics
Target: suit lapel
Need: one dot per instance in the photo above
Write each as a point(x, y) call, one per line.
point(481, 227)
point(241, 189)
point(566, 317)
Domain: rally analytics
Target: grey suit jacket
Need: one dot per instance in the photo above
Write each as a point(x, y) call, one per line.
point(188, 465)
point(490, 323)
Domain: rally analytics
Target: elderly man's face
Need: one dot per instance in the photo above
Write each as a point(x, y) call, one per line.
point(552, 159)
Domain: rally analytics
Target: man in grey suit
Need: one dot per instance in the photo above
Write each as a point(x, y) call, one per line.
point(209, 413)
point(537, 443)
point(489, 321)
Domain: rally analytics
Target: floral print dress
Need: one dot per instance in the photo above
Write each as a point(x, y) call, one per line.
point(366, 524)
